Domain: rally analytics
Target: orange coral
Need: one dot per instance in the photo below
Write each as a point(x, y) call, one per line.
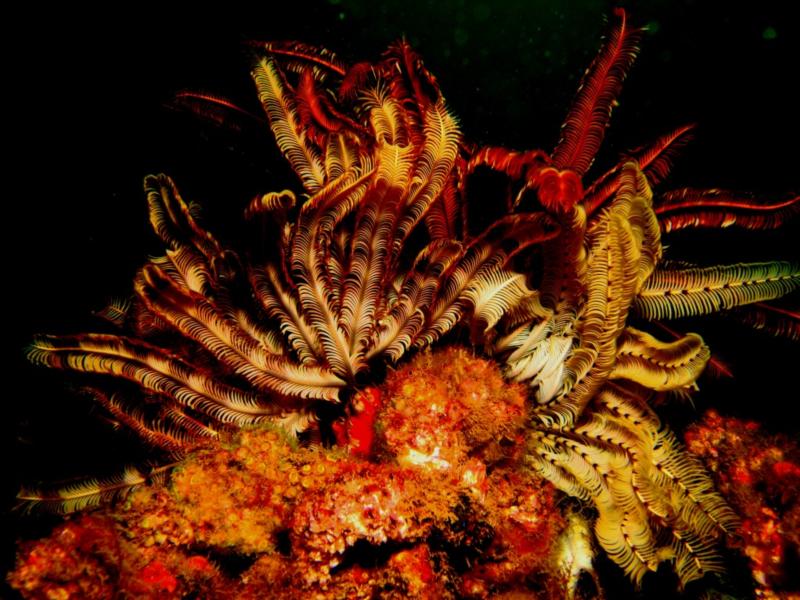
point(92, 558)
point(447, 407)
point(309, 520)
point(760, 475)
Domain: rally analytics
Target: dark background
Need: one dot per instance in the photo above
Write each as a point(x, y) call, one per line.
point(88, 117)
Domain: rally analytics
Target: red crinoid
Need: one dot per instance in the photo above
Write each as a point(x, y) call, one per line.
point(381, 258)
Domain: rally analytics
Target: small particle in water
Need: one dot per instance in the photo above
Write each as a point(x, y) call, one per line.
point(769, 33)
point(652, 27)
point(342, 16)
point(460, 36)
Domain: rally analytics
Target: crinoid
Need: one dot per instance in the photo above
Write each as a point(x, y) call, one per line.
point(382, 256)
point(593, 434)
point(271, 337)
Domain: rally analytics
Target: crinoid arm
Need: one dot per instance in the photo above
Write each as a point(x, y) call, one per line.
point(654, 159)
point(298, 57)
point(283, 117)
point(89, 493)
point(655, 503)
point(585, 125)
point(657, 365)
point(674, 293)
point(781, 321)
point(688, 207)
